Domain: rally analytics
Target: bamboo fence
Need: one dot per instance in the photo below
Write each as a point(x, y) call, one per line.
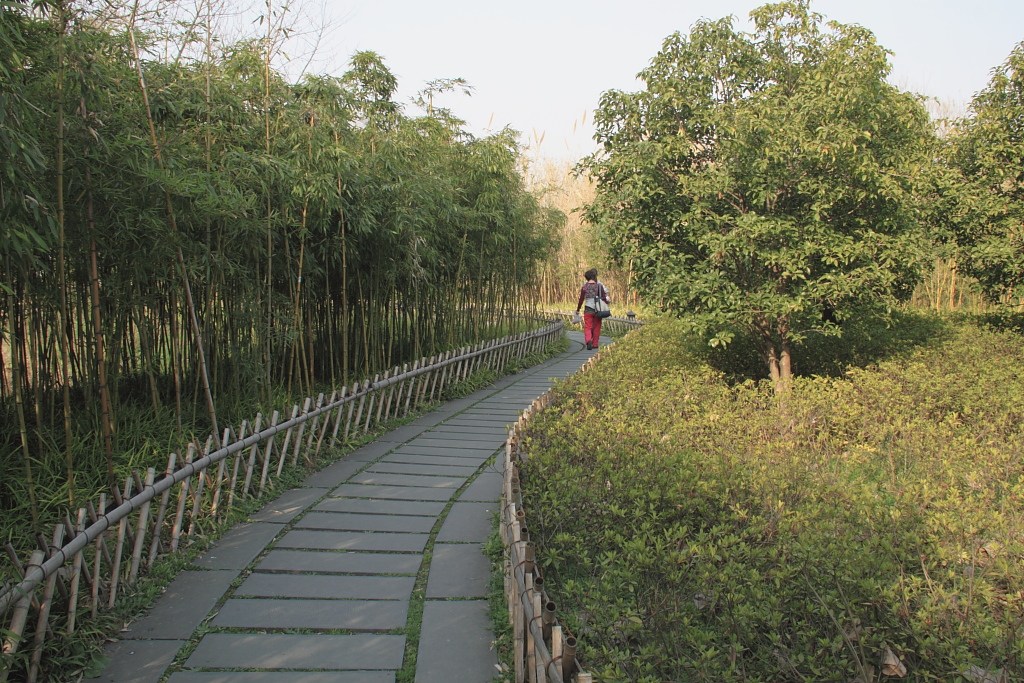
point(95, 557)
point(543, 651)
point(614, 325)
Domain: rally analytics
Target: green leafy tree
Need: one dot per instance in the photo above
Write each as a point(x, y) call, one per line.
point(763, 182)
point(988, 150)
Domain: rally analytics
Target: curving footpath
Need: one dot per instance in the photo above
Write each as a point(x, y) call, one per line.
point(317, 586)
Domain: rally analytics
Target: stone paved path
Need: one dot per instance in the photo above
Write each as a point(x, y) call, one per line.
point(317, 586)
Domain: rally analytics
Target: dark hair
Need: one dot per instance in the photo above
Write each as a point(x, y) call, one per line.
point(590, 274)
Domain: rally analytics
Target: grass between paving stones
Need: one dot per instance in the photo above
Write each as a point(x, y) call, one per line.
point(497, 603)
point(414, 621)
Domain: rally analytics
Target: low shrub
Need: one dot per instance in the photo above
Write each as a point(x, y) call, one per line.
point(697, 529)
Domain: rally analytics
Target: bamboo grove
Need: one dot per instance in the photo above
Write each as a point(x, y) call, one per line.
point(183, 229)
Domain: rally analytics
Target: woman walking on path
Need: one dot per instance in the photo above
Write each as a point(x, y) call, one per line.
point(590, 290)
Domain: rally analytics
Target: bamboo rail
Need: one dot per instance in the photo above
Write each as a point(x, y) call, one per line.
point(156, 515)
point(542, 650)
point(613, 325)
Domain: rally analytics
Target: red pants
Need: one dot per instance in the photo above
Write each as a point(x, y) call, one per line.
point(591, 329)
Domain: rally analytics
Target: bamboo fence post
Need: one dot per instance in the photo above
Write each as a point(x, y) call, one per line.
point(351, 410)
point(142, 527)
point(154, 546)
point(372, 396)
point(251, 466)
point(531, 647)
point(325, 423)
point(337, 420)
point(97, 559)
point(268, 453)
point(584, 678)
point(76, 575)
point(409, 389)
point(314, 428)
point(19, 617)
point(362, 402)
point(219, 477)
point(388, 394)
point(179, 515)
point(438, 374)
point(243, 430)
point(421, 397)
point(538, 660)
point(385, 402)
point(556, 651)
point(43, 618)
point(197, 490)
point(115, 573)
point(302, 429)
point(287, 438)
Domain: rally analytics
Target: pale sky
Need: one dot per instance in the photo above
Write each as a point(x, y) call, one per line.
point(541, 66)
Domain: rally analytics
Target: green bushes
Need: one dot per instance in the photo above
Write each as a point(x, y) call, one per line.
point(697, 530)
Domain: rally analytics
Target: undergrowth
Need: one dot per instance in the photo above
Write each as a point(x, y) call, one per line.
point(692, 527)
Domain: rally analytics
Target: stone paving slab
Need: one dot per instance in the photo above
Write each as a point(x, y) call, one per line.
point(137, 661)
point(393, 492)
point(455, 643)
point(239, 547)
point(369, 452)
point(423, 508)
point(338, 586)
point(287, 506)
point(295, 651)
point(184, 605)
point(486, 487)
point(345, 521)
point(454, 431)
point(334, 474)
point(352, 615)
point(477, 422)
point(426, 481)
point(400, 459)
point(456, 470)
point(340, 562)
point(458, 570)
point(468, 522)
point(450, 447)
point(283, 677)
point(402, 434)
point(354, 540)
point(464, 440)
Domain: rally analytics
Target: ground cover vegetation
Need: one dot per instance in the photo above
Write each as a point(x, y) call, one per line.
point(688, 533)
point(187, 235)
point(796, 476)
